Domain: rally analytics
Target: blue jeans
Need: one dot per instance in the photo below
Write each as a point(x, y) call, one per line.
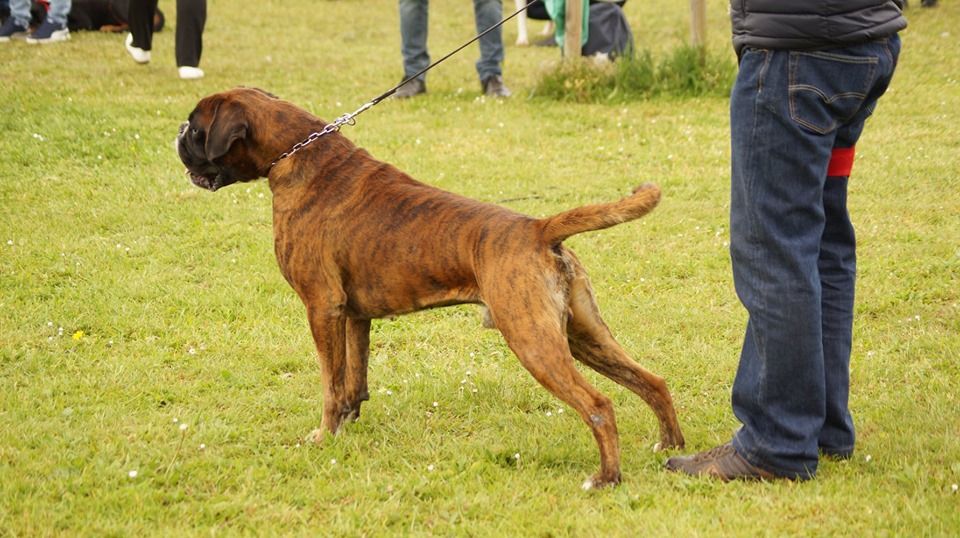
point(59, 9)
point(413, 33)
point(795, 117)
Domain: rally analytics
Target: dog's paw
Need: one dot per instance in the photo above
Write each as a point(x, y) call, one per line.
point(522, 42)
point(316, 436)
point(599, 482)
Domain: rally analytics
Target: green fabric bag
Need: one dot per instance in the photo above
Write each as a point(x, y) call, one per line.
point(557, 10)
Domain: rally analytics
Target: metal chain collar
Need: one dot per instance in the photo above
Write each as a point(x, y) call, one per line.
point(346, 119)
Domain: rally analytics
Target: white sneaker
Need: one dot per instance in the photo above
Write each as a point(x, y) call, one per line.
point(139, 55)
point(190, 73)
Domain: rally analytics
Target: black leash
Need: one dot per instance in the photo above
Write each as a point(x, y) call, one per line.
point(349, 119)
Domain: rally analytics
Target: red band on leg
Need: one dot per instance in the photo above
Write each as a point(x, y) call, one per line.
point(841, 162)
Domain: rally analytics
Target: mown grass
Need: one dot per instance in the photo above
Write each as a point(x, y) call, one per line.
point(180, 312)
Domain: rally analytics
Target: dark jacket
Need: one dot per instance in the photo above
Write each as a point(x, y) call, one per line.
point(812, 24)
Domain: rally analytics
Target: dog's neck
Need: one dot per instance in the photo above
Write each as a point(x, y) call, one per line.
point(288, 175)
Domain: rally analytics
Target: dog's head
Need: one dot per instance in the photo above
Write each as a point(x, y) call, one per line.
point(216, 143)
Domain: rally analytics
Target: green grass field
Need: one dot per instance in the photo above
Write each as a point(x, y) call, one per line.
point(133, 304)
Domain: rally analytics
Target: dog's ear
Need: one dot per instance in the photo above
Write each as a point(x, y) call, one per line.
point(229, 125)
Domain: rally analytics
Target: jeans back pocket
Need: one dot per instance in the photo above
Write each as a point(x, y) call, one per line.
point(827, 89)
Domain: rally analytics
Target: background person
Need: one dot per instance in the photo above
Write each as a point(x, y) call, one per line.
point(53, 29)
point(413, 34)
point(191, 18)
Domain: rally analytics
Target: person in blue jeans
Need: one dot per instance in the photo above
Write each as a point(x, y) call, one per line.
point(810, 74)
point(53, 29)
point(413, 34)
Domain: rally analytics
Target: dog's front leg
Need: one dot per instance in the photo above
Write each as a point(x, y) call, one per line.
point(329, 327)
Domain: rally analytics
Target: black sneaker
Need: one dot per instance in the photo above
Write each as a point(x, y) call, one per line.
point(410, 89)
point(49, 32)
point(493, 87)
point(12, 30)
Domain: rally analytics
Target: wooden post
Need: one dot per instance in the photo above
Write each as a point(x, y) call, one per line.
point(572, 25)
point(698, 23)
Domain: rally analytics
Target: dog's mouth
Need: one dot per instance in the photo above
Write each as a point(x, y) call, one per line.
point(204, 182)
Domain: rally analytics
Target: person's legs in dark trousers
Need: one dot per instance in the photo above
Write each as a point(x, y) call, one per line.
point(191, 18)
point(488, 13)
point(413, 35)
point(140, 19)
point(792, 246)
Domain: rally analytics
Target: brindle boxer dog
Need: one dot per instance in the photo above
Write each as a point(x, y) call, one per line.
point(358, 239)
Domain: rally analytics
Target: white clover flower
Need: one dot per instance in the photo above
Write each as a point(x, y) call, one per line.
point(549, 413)
point(175, 420)
point(867, 458)
point(333, 461)
point(430, 467)
point(183, 427)
point(516, 456)
point(955, 487)
point(435, 404)
point(202, 446)
point(132, 474)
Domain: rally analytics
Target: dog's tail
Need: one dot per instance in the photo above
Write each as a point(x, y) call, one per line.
point(600, 216)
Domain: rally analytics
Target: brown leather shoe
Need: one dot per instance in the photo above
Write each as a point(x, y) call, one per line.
point(493, 86)
point(721, 462)
point(411, 89)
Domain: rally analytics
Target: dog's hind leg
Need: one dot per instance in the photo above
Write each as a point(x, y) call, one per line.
point(538, 340)
point(592, 344)
point(358, 351)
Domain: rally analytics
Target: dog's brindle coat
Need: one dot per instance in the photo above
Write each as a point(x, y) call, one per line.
point(358, 239)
